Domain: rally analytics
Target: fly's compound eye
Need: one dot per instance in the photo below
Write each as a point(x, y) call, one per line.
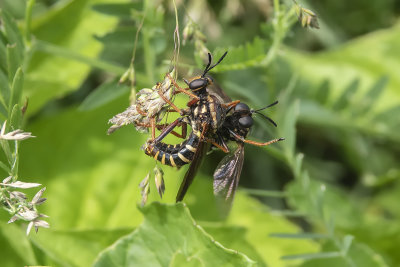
point(198, 84)
point(242, 107)
point(246, 121)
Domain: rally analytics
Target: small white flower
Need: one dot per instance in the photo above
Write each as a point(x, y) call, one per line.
point(18, 195)
point(36, 199)
point(7, 179)
point(14, 135)
point(19, 184)
point(28, 215)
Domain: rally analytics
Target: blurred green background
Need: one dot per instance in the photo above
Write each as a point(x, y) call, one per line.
point(326, 196)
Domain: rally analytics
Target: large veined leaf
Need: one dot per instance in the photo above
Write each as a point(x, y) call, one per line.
point(170, 237)
point(74, 248)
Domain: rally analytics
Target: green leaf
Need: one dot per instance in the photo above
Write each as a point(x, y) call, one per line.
point(17, 239)
point(288, 130)
point(104, 94)
point(311, 256)
point(300, 235)
point(345, 98)
point(52, 76)
point(358, 255)
point(16, 88)
point(323, 92)
point(355, 59)
point(13, 62)
point(244, 56)
point(121, 10)
point(304, 197)
point(16, 116)
point(75, 247)
point(260, 222)
point(3, 42)
point(347, 241)
point(5, 89)
point(169, 230)
point(13, 35)
point(372, 96)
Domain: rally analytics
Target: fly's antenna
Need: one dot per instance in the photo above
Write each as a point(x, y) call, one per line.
point(270, 105)
point(208, 68)
point(264, 116)
point(208, 65)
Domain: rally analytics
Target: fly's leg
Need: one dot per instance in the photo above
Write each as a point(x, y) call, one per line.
point(181, 90)
point(230, 104)
point(239, 138)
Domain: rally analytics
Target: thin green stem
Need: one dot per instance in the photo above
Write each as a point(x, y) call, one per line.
point(147, 49)
point(177, 41)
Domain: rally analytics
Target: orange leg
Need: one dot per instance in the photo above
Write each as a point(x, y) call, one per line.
point(140, 111)
point(180, 89)
point(153, 128)
point(224, 149)
point(162, 126)
point(231, 104)
point(239, 138)
point(169, 103)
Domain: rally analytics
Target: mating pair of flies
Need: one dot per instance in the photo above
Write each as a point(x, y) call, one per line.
point(215, 119)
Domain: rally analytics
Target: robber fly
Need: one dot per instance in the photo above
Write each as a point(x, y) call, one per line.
point(235, 128)
point(205, 115)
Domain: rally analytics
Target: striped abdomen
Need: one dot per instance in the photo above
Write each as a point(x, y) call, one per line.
point(174, 155)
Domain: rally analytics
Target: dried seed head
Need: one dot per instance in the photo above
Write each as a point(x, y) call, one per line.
point(159, 180)
point(145, 188)
point(306, 17)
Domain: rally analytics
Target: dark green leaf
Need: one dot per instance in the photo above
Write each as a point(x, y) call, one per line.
point(4, 91)
point(104, 94)
point(122, 10)
point(244, 56)
point(345, 98)
point(3, 63)
point(323, 92)
point(372, 96)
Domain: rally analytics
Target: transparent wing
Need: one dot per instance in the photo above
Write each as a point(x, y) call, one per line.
point(227, 175)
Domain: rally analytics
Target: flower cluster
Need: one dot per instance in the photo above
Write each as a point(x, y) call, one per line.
point(16, 203)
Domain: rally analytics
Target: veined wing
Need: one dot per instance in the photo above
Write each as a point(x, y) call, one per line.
point(227, 175)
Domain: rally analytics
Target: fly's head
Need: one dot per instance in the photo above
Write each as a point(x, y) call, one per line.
point(199, 84)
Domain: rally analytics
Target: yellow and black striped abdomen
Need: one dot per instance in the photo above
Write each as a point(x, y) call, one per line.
point(174, 155)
